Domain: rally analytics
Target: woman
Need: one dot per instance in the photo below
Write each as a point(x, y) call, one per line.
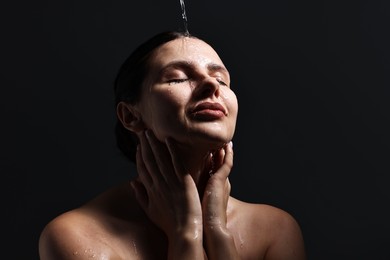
point(176, 119)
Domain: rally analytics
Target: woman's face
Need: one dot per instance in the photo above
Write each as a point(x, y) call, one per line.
point(187, 94)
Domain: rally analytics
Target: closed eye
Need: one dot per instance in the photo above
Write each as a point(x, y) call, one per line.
point(220, 81)
point(177, 81)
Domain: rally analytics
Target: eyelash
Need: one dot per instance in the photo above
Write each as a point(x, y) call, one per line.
point(221, 82)
point(178, 81)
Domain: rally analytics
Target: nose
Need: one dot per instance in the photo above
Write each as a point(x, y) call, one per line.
point(207, 87)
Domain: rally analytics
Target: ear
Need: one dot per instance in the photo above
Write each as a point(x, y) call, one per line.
point(129, 117)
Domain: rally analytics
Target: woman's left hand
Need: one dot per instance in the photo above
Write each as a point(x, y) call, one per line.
point(219, 241)
point(217, 191)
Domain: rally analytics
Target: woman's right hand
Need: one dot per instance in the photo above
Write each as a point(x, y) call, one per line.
point(165, 190)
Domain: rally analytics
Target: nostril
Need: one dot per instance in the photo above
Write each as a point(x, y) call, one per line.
point(208, 89)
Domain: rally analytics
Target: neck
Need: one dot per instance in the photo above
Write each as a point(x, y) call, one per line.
point(198, 163)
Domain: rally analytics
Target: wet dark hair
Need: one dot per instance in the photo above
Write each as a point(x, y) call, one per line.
point(128, 83)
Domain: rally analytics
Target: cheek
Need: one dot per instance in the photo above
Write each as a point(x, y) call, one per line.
point(231, 102)
point(169, 100)
point(165, 107)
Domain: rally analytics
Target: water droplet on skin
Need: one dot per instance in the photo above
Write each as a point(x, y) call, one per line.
point(135, 248)
point(196, 235)
point(89, 252)
point(241, 240)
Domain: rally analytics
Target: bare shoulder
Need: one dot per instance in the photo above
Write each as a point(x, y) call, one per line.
point(101, 229)
point(271, 229)
point(69, 236)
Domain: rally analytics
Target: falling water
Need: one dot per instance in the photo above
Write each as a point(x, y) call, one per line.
point(183, 14)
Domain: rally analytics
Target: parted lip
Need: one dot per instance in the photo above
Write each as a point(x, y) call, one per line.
point(208, 105)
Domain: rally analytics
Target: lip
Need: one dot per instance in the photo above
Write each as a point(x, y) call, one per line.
point(208, 111)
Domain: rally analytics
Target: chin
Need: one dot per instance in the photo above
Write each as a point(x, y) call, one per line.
point(216, 143)
point(215, 136)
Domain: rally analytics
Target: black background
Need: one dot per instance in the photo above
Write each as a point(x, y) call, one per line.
point(312, 78)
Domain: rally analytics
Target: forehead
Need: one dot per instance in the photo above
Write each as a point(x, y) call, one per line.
point(187, 49)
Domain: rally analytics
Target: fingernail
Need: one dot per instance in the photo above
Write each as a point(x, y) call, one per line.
point(231, 144)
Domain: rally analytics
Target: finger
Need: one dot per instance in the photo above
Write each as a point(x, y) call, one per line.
point(218, 158)
point(227, 165)
point(209, 165)
point(228, 186)
point(162, 157)
point(149, 160)
point(142, 170)
point(177, 163)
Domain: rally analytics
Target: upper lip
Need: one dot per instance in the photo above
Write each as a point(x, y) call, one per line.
point(208, 105)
